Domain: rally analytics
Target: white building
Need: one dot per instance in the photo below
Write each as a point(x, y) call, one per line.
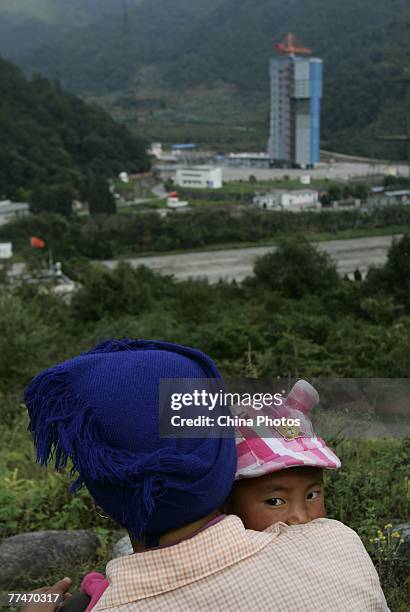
point(294, 200)
point(247, 160)
point(156, 150)
point(199, 177)
point(6, 250)
point(11, 210)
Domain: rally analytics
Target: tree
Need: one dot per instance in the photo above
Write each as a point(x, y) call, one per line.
point(357, 275)
point(334, 193)
point(100, 199)
point(397, 270)
point(169, 184)
point(360, 191)
point(54, 198)
point(296, 269)
point(54, 138)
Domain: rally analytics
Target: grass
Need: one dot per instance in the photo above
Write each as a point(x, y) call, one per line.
point(370, 490)
point(148, 204)
point(217, 117)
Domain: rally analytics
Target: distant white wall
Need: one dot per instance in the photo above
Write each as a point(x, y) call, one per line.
point(291, 200)
point(200, 178)
point(6, 250)
point(299, 198)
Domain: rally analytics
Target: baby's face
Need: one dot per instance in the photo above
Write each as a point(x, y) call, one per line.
point(293, 496)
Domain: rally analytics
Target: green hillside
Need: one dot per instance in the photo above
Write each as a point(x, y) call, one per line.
point(60, 12)
point(27, 25)
point(51, 137)
point(193, 70)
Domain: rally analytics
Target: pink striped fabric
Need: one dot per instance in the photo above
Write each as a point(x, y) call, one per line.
point(265, 450)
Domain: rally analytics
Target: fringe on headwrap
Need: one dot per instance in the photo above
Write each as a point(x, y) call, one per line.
point(65, 427)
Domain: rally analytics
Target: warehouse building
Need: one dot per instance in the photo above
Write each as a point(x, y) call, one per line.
point(199, 177)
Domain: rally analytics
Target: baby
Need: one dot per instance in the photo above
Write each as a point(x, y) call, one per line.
point(280, 471)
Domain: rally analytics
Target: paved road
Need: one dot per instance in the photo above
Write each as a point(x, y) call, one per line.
point(236, 264)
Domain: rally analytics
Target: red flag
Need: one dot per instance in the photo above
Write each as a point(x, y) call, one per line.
point(37, 243)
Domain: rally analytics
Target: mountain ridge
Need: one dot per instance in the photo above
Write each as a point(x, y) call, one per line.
point(178, 46)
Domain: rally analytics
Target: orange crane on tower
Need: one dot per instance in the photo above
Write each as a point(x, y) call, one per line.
point(289, 46)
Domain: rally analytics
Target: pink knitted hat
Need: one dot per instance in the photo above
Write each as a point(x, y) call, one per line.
point(263, 450)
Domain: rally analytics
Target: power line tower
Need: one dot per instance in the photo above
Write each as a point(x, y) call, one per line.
point(403, 76)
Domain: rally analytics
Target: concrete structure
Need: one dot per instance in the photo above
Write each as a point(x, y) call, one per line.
point(295, 200)
point(381, 198)
point(199, 177)
point(247, 160)
point(296, 92)
point(156, 150)
point(6, 250)
point(11, 210)
point(399, 196)
point(52, 280)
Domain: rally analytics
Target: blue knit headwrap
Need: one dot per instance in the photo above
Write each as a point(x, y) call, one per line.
point(101, 410)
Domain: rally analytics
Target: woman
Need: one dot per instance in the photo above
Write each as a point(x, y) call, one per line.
point(101, 410)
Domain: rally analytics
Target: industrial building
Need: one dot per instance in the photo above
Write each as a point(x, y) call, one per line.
point(199, 177)
point(296, 92)
point(6, 250)
point(12, 210)
point(293, 200)
point(246, 160)
point(381, 197)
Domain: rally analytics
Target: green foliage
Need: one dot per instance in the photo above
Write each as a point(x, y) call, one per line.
point(295, 270)
point(123, 292)
point(169, 184)
point(52, 138)
point(385, 548)
point(394, 278)
point(108, 236)
point(371, 489)
point(281, 322)
point(26, 338)
point(57, 199)
point(99, 197)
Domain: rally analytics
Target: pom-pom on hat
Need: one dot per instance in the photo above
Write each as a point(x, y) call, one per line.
point(101, 410)
point(264, 450)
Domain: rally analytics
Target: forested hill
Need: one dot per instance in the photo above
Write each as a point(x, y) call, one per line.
point(28, 24)
point(49, 136)
point(156, 47)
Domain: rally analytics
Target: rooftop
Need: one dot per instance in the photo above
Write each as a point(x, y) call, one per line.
point(283, 191)
point(401, 192)
point(7, 207)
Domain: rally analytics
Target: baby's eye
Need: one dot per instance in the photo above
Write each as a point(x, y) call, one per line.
point(275, 501)
point(313, 494)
